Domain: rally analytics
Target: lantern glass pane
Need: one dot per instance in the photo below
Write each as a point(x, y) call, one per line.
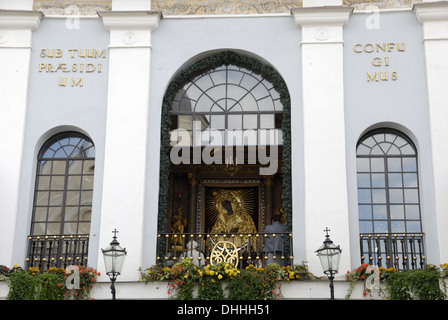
point(329, 256)
point(113, 259)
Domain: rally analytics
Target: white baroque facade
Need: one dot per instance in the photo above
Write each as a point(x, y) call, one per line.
point(101, 69)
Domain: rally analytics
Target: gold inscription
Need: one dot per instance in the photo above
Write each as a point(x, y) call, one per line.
point(380, 59)
point(85, 61)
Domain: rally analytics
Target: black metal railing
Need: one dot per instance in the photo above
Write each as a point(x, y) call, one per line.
point(401, 251)
point(172, 248)
point(57, 251)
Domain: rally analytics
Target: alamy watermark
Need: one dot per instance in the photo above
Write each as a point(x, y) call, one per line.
point(73, 19)
point(214, 146)
point(73, 278)
point(372, 20)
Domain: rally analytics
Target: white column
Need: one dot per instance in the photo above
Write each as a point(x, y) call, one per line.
point(434, 18)
point(326, 203)
point(126, 132)
point(15, 50)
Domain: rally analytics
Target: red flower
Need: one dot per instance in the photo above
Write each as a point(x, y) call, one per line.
point(364, 293)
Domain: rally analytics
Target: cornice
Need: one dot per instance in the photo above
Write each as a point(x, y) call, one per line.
point(319, 16)
point(20, 19)
point(145, 20)
point(431, 11)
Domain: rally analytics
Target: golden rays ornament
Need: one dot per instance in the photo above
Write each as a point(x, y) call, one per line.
point(230, 211)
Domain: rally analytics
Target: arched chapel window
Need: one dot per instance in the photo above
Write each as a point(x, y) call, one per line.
point(64, 186)
point(388, 186)
point(230, 98)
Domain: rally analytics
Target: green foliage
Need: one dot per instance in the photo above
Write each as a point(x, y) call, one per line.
point(253, 285)
point(50, 285)
point(224, 281)
point(421, 284)
point(22, 286)
point(247, 286)
point(183, 276)
point(210, 289)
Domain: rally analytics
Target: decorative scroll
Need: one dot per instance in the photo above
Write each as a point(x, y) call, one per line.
point(224, 252)
point(207, 7)
point(72, 7)
point(369, 5)
point(224, 7)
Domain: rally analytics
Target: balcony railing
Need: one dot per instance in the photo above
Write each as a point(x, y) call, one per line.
point(58, 251)
point(172, 248)
point(400, 251)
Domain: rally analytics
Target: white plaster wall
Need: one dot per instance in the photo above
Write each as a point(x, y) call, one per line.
point(15, 50)
point(400, 104)
point(126, 144)
point(434, 19)
point(52, 109)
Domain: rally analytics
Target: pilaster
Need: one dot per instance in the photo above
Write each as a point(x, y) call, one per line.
point(324, 129)
point(434, 18)
point(126, 132)
point(16, 27)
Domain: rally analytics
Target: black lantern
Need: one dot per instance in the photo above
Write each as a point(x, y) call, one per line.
point(113, 259)
point(329, 255)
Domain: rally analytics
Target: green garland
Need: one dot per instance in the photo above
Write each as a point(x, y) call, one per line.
point(187, 75)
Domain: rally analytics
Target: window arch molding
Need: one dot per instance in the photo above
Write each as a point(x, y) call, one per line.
point(56, 131)
point(392, 126)
point(206, 62)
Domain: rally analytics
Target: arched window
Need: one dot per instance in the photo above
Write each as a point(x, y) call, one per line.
point(230, 98)
point(222, 96)
point(64, 186)
point(388, 186)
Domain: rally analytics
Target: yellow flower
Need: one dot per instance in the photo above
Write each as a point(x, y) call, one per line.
point(220, 277)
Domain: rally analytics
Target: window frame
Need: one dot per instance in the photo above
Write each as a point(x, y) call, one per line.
point(394, 189)
point(54, 189)
point(184, 106)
